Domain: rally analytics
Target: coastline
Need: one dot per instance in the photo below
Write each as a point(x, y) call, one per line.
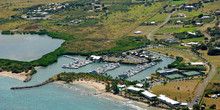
point(100, 89)
point(20, 76)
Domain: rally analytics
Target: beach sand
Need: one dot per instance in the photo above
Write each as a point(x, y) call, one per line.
point(100, 88)
point(20, 76)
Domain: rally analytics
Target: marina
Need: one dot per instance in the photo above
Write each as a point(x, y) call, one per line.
point(76, 64)
point(136, 70)
point(106, 67)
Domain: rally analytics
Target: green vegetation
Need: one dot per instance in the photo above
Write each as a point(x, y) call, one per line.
point(182, 66)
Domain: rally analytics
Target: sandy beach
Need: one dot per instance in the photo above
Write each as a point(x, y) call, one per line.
point(20, 76)
point(100, 88)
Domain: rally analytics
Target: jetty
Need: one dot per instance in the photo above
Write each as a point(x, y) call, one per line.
point(105, 68)
point(34, 86)
point(136, 70)
point(77, 63)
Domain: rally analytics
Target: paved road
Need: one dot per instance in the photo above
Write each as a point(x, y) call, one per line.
point(202, 87)
point(168, 18)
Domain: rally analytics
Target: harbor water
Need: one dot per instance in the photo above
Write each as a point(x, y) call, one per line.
point(65, 97)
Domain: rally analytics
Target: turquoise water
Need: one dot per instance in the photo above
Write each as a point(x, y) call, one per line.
point(65, 97)
point(57, 97)
point(26, 47)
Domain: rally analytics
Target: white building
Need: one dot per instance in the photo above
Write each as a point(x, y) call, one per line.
point(168, 100)
point(167, 71)
point(137, 32)
point(192, 33)
point(132, 88)
point(197, 64)
point(149, 95)
point(140, 85)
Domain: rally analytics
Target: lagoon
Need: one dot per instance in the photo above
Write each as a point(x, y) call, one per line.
point(26, 47)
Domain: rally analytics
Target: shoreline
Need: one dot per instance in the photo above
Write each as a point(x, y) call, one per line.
point(100, 89)
point(20, 76)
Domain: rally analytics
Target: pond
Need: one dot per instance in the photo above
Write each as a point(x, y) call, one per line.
point(26, 47)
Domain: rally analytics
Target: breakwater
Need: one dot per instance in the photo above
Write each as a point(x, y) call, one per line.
point(34, 86)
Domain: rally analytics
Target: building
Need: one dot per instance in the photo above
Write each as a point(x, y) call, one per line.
point(140, 85)
point(179, 22)
point(171, 40)
point(167, 71)
point(193, 43)
point(96, 58)
point(189, 7)
point(205, 17)
point(181, 15)
point(149, 95)
point(152, 22)
point(132, 88)
point(199, 24)
point(192, 33)
point(197, 64)
point(137, 32)
point(168, 101)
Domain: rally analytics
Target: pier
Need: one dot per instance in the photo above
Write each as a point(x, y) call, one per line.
point(105, 68)
point(77, 63)
point(136, 70)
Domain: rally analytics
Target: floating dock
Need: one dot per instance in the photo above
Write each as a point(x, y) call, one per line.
point(136, 70)
point(105, 68)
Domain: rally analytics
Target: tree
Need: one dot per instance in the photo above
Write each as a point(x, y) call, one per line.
point(200, 16)
point(196, 107)
point(213, 106)
point(108, 88)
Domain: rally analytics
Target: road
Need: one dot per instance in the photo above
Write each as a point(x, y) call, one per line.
point(202, 87)
point(168, 18)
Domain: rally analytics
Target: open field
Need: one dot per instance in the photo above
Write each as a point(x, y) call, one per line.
point(172, 2)
point(185, 93)
point(187, 57)
point(175, 29)
point(199, 39)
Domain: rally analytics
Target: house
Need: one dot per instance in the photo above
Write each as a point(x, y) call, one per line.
point(140, 85)
point(197, 64)
point(193, 43)
point(192, 33)
point(189, 7)
point(121, 87)
point(217, 12)
point(168, 101)
point(181, 15)
point(149, 95)
point(137, 32)
point(152, 22)
point(173, 5)
point(205, 17)
point(167, 71)
point(179, 22)
point(132, 88)
point(199, 24)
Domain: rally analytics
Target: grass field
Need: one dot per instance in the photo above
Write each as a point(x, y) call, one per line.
point(185, 93)
point(199, 39)
point(172, 2)
point(187, 57)
point(175, 29)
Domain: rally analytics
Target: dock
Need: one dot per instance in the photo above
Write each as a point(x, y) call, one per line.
point(76, 64)
point(136, 70)
point(105, 68)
